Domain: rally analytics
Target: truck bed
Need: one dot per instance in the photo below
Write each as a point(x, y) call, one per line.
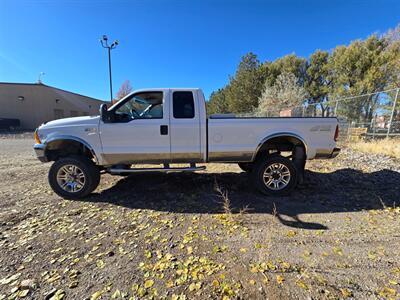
point(233, 138)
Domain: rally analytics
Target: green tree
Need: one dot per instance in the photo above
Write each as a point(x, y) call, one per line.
point(317, 81)
point(288, 64)
point(245, 87)
point(392, 37)
point(360, 68)
point(392, 51)
point(217, 103)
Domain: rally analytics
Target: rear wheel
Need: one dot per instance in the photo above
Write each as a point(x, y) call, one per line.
point(275, 175)
point(74, 177)
point(247, 167)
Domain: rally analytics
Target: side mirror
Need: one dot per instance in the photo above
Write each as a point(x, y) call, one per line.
point(104, 113)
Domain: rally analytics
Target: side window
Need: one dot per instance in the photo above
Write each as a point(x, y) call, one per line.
point(183, 105)
point(146, 105)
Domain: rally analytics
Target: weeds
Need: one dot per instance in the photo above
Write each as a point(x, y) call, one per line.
point(274, 211)
point(226, 203)
point(390, 147)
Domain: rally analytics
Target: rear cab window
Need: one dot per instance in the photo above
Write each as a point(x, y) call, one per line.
point(183, 105)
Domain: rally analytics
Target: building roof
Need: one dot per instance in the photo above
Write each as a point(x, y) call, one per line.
point(48, 86)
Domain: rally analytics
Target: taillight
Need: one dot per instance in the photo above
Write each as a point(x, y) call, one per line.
point(336, 133)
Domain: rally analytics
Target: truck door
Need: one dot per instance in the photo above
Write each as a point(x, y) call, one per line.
point(139, 130)
point(185, 127)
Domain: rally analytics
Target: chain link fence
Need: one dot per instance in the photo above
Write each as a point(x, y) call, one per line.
point(367, 116)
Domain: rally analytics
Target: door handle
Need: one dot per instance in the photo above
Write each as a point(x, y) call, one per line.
point(164, 129)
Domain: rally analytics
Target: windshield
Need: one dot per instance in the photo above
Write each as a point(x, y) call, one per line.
point(147, 105)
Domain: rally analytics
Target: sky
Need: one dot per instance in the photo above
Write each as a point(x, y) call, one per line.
point(171, 43)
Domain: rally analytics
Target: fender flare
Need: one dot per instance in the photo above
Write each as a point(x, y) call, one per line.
point(70, 138)
point(279, 134)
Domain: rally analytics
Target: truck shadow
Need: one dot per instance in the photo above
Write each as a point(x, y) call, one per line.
point(344, 190)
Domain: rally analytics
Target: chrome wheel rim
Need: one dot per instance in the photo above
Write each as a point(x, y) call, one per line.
point(276, 176)
point(71, 178)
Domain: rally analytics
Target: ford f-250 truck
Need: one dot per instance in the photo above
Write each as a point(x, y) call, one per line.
point(167, 126)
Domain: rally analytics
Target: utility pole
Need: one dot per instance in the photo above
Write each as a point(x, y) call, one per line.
point(104, 44)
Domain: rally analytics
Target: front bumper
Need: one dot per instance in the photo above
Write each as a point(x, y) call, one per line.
point(327, 154)
point(40, 152)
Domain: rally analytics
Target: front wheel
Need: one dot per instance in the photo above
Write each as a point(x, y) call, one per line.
point(74, 177)
point(275, 175)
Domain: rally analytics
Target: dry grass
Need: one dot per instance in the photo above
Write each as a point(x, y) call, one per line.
point(389, 147)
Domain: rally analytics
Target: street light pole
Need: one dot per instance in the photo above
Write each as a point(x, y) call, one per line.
point(104, 44)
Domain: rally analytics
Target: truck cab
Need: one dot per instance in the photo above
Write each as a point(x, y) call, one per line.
point(155, 126)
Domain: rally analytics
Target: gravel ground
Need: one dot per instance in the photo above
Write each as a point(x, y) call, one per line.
point(168, 236)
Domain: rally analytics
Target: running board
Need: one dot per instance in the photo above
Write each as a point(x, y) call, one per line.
point(165, 170)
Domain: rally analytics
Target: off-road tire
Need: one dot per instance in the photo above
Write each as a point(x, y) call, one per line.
point(260, 167)
point(89, 169)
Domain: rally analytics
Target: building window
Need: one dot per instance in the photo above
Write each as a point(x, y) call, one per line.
point(58, 114)
point(74, 113)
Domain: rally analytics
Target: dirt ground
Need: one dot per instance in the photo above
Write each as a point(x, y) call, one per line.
point(168, 236)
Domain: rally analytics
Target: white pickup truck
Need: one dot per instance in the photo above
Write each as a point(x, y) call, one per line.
point(167, 126)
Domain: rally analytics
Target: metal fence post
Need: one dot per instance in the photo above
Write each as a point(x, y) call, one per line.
point(373, 125)
point(392, 114)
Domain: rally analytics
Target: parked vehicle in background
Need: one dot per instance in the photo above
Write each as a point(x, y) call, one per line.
point(9, 124)
point(167, 126)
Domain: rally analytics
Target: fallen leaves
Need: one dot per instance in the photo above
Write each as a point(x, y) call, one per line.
point(387, 293)
point(195, 286)
point(100, 264)
point(10, 279)
point(337, 250)
point(280, 279)
point(346, 293)
point(291, 233)
point(302, 284)
point(148, 283)
point(96, 295)
point(58, 295)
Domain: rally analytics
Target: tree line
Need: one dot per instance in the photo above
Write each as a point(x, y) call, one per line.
point(362, 67)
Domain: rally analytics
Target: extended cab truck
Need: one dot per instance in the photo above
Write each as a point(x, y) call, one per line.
point(167, 126)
